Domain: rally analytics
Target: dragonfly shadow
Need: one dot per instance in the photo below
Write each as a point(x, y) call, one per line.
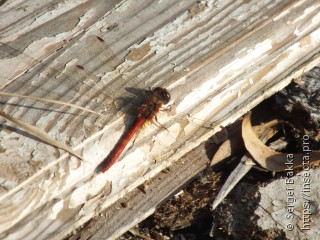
point(101, 165)
point(130, 104)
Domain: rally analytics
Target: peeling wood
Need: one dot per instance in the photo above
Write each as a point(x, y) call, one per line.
point(217, 64)
point(136, 54)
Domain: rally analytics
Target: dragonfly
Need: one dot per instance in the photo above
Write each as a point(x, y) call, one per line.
point(70, 84)
point(158, 97)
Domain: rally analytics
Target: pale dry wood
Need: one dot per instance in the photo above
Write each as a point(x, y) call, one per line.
point(218, 59)
point(38, 133)
point(291, 202)
point(116, 219)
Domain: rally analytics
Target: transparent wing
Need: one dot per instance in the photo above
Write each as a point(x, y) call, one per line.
point(72, 83)
point(82, 82)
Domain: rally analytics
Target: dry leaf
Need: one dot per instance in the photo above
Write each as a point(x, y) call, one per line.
point(265, 132)
point(235, 146)
point(267, 157)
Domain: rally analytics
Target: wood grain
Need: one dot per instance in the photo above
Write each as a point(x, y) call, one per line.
point(218, 59)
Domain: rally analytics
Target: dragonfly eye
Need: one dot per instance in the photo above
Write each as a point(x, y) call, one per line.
point(162, 94)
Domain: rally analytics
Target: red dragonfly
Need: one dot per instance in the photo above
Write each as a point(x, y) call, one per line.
point(95, 94)
point(158, 97)
point(66, 90)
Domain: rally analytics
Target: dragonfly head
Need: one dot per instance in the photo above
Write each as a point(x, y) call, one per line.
point(160, 95)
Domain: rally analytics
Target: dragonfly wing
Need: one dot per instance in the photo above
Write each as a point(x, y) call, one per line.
point(100, 52)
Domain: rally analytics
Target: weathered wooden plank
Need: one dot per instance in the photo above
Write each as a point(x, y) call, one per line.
point(218, 59)
point(137, 205)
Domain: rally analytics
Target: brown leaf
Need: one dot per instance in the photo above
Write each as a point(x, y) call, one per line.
point(235, 146)
point(267, 157)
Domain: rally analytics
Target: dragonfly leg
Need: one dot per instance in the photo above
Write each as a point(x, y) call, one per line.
point(167, 108)
point(156, 122)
